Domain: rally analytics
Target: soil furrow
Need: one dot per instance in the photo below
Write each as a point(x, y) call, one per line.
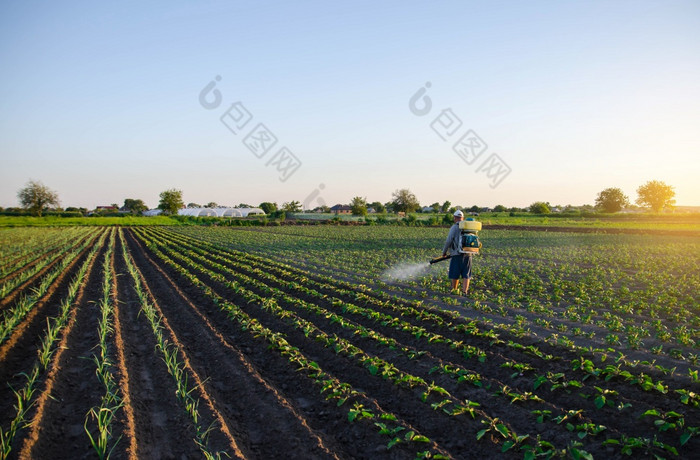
point(35, 279)
point(161, 428)
point(328, 420)
point(71, 386)
point(246, 399)
point(638, 399)
point(451, 433)
point(25, 339)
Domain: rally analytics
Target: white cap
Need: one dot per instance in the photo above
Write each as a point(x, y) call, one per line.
point(458, 213)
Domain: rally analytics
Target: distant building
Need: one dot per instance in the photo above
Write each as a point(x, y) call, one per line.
point(106, 209)
point(341, 209)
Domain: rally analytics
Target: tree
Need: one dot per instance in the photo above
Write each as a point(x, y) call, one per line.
point(211, 205)
point(171, 201)
point(445, 206)
point(474, 208)
point(135, 206)
point(359, 206)
point(193, 205)
point(243, 205)
point(404, 201)
point(499, 208)
point(656, 195)
point(267, 207)
point(35, 196)
point(291, 206)
point(539, 207)
point(435, 206)
point(612, 200)
point(378, 207)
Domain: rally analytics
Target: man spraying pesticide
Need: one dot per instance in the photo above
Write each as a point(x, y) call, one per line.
point(461, 244)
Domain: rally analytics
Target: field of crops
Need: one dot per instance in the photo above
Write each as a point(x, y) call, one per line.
point(299, 342)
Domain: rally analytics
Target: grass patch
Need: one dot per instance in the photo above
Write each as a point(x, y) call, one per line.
point(56, 221)
point(683, 222)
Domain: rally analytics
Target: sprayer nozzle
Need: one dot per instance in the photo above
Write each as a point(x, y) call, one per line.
point(439, 259)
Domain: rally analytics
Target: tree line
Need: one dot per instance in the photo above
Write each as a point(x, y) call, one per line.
point(36, 198)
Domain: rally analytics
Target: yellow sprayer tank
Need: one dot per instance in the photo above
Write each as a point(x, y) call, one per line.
point(470, 240)
point(470, 226)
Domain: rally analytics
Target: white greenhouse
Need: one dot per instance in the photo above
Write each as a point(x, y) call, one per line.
point(230, 212)
point(247, 212)
point(212, 212)
point(198, 212)
point(221, 212)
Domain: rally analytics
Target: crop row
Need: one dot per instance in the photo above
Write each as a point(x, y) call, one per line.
point(380, 302)
point(640, 302)
point(111, 401)
point(437, 397)
point(44, 259)
point(22, 246)
point(14, 315)
point(170, 353)
point(333, 388)
point(21, 258)
point(25, 396)
point(102, 405)
point(191, 262)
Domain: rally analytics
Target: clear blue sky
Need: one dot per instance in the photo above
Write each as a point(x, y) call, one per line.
point(100, 100)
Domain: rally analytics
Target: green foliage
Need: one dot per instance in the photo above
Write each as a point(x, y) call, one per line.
point(539, 207)
point(96, 221)
point(359, 206)
point(268, 207)
point(291, 206)
point(36, 197)
point(378, 207)
point(656, 195)
point(611, 200)
point(135, 206)
point(402, 335)
point(404, 201)
point(171, 201)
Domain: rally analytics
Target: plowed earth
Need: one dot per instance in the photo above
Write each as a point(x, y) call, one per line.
point(253, 401)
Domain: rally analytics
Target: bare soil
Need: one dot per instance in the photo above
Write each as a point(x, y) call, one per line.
point(253, 401)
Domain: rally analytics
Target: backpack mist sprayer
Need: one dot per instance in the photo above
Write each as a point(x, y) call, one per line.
point(468, 239)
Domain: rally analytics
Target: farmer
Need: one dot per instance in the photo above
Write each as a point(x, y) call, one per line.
point(460, 264)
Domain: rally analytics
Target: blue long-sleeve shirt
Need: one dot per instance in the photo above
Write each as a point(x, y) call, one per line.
point(452, 242)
